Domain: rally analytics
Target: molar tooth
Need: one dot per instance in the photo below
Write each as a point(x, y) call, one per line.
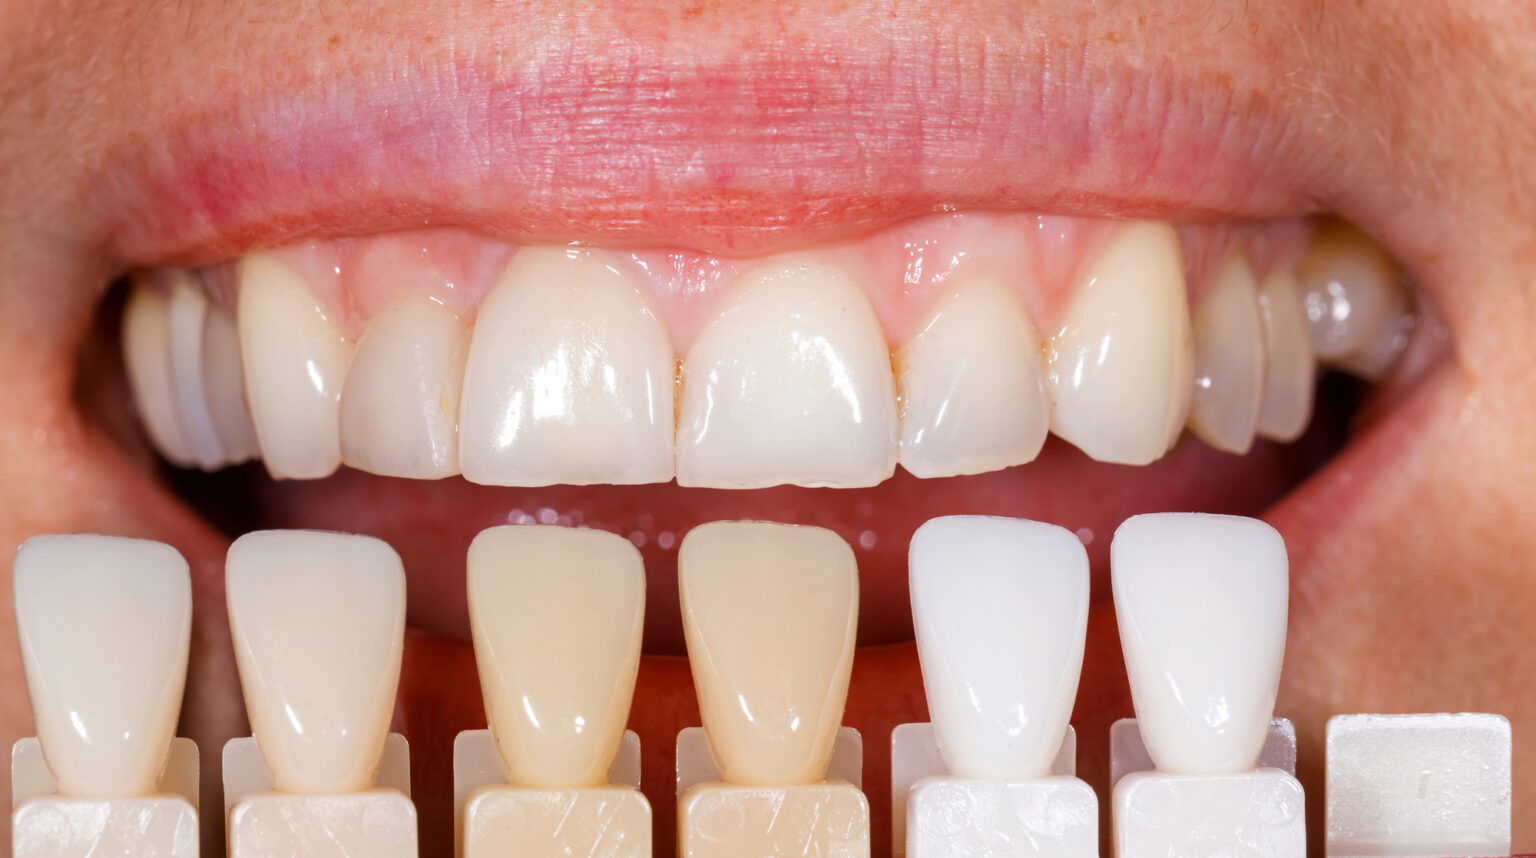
point(1120, 368)
point(1378, 355)
point(1201, 603)
point(1000, 607)
point(1229, 360)
point(400, 403)
point(790, 383)
point(556, 614)
point(318, 622)
point(570, 377)
point(224, 387)
point(295, 362)
point(147, 359)
point(972, 386)
point(769, 613)
point(104, 624)
point(1352, 291)
point(188, 315)
point(1290, 370)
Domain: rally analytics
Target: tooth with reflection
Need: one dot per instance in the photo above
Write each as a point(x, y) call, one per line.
point(318, 622)
point(1352, 291)
point(1000, 608)
point(188, 315)
point(769, 614)
point(1229, 360)
point(147, 360)
point(104, 624)
point(570, 377)
point(790, 383)
point(295, 362)
point(1201, 603)
point(972, 386)
point(1290, 370)
point(400, 403)
point(556, 615)
point(1120, 366)
point(224, 387)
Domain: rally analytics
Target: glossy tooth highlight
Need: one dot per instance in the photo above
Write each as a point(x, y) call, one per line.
point(1290, 368)
point(790, 383)
point(318, 622)
point(1000, 611)
point(1201, 602)
point(104, 624)
point(972, 386)
point(1229, 360)
point(570, 377)
point(556, 615)
point(770, 613)
point(400, 403)
point(295, 363)
point(1353, 293)
point(1121, 364)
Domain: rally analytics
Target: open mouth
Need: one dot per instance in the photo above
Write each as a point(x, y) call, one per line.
point(830, 309)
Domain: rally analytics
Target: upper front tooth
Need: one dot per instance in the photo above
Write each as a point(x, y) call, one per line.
point(1290, 369)
point(1352, 291)
point(318, 621)
point(1000, 607)
point(104, 624)
point(1120, 372)
point(147, 359)
point(570, 377)
point(188, 320)
point(224, 387)
point(973, 386)
point(790, 383)
point(1229, 360)
point(769, 612)
point(1201, 603)
point(556, 614)
point(400, 403)
point(295, 363)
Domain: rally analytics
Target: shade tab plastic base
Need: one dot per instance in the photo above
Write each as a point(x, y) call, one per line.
point(1260, 813)
point(604, 822)
point(161, 826)
point(1055, 817)
point(379, 823)
point(719, 820)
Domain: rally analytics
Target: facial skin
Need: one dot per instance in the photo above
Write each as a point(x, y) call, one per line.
point(139, 134)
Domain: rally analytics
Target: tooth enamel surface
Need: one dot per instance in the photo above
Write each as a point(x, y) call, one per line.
point(295, 362)
point(1120, 368)
point(790, 383)
point(972, 386)
point(1201, 602)
point(1229, 360)
point(570, 377)
point(1350, 287)
point(224, 387)
point(556, 614)
point(769, 613)
point(104, 624)
point(318, 622)
point(147, 360)
point(400, 403)
point(1000, 608)
point(188, 313)
point(1290, 369)
point(1379, 353)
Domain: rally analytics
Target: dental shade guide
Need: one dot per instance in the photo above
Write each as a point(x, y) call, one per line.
point(770, 615)
point(696, 765)
point(1201, 603)
point(318, 622)
point(245, 772)
point(1418, 785)
point(104, 625)
point(1128, 753)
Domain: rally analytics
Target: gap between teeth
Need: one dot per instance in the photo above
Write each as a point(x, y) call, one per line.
point(566, 374)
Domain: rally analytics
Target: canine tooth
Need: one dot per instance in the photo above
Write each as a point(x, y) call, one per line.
point(104, 624)
point(295, 362)
point(400, 403)
point(1229, 360)
point(972, 386)
point(188, 314)
point(790, 383)
point(1000, 607)
point(318, 622)
point(1350, 287)
point(147, 359)
point(570, 377)
point(1290, 370)
point(769, 614)
point(224, 387)
point(1120, 367)
point(556, 615)
point(1201, 604)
